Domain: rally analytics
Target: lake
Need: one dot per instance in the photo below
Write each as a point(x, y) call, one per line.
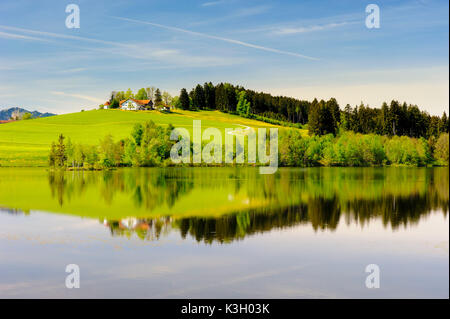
point(225, 233)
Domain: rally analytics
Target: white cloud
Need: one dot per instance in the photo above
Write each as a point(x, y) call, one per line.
point(212, 3)
point(7, 35)
point(73, 70)
point(61, 36)
point(312, 28)
point(246, 12)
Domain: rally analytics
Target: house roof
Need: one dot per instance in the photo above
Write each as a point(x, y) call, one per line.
point(141, 102)
point(106, 103)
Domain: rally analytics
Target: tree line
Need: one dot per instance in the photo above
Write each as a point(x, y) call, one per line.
point(150, 145)
point(361, 150)
point(323, 117)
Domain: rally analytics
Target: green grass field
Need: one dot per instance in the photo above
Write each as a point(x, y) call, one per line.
point(26, 143)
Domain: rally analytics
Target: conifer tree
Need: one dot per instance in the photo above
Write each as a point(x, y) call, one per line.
point(184, 99)
point(158, 97)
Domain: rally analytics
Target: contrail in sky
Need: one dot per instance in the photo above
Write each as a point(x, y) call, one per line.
point(246, 44)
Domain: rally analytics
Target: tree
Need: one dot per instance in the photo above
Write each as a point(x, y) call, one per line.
point(152, 144)
point(114, 104)
point(167, 98)
point(386, 119)
point(52, 155)
point(326, 119)
point(366, 120)
point(130, 156)
point(403, 120)
point(221, 97)
point(176, 102)
point(70, 151)
point(58, 155)
point(79, 155)
point(320, 119)
point(112, 96)
point(346, 122)
point(210, 96)
point(333, 106)
point(243, 106)
point(137, 132)
point(394, 117)
point(198, 98)
point(26, 116)
point(141, 94)
point(441, 150)
point(184, 99)
point(158, 98)
point(111, 153)
point(416, 122)
point(231, 98)
point(150, 93)
point(433, 128)
point(91, 155)
point(313, 118)
point(444, 124)
point(128, 94)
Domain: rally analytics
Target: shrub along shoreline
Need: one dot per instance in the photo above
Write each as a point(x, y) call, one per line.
point(354, 149)
point(149, 145)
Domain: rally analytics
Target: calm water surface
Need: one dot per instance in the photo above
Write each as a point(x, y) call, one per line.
point(225, 232)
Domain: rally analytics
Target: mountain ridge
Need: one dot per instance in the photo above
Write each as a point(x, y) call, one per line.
point(5, 114)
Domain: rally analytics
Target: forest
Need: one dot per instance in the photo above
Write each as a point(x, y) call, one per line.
point(322, 117)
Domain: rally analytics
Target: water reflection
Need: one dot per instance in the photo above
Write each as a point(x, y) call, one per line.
point(222, 205)
point(13, 211)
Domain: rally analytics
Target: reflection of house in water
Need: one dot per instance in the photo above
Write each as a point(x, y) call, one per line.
point(208, 229)
point(144, 228)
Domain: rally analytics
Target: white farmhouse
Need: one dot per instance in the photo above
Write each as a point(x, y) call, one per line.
point(132, 104)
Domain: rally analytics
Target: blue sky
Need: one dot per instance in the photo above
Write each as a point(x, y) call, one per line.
point(303, 49)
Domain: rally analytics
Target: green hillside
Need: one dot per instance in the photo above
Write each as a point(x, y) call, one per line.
point(26, 143)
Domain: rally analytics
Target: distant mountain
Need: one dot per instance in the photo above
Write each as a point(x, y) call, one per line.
point(7, 113)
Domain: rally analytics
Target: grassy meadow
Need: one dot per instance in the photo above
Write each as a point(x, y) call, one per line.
point(27, 143)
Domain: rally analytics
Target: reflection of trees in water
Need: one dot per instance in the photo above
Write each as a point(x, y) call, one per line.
point(57, 182)
point(158, 187)
point(324, 213)
point(66, 185)
point(398, 197)
point(321, 213)
point(148, 188)
point(237, 226)
point(395, 211)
